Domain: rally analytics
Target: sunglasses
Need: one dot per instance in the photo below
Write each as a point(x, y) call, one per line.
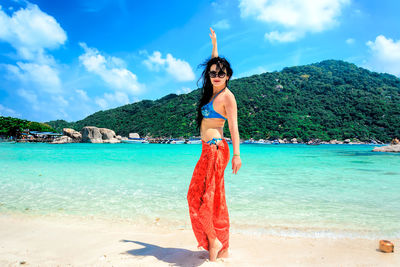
point(213, 74)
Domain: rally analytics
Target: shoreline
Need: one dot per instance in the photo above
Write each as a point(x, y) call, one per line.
point(164, 224)
point(50, 241)
point(165, 142)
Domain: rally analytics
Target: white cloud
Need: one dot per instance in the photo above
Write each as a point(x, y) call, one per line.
point(222, 25)
point(184, 90)
point(385, 55)
point(82, 94)
point(178, 68)
point(257, 70)
point(350, 41)
point(30, 97)
point(60, 100)
point(112, 100)
point(40, 76)
point(8, 112)
point(30, 31)
point(154, 62)
point(220, 6)
point(110, 70)
point(35, 75)
point(284, 37)
point(294, 17)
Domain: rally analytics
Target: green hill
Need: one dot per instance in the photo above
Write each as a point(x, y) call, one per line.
point(10, 126)
point(327, 100)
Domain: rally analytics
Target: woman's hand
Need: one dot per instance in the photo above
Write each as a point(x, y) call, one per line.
point(214, 43)
point(236, 164)
point(213, 37)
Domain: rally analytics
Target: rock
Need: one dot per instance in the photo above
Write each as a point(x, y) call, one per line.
point(389, 148)
point(346, 141)
point(63, 140)
point(395, 141)
point(134, 135)
point(73, 134)
point(107, 134)
point(112, 141)
point(119, 137)
point(294, 140)
point(91, 134)
point(386, 246)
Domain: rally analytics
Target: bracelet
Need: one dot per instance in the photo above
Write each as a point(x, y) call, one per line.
point(236, 154)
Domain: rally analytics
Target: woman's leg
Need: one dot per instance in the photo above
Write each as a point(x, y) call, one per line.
point(207, 204)
point(201, 199)
point(221, 215)
point(214, 247)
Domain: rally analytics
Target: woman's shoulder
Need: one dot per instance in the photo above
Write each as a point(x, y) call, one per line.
point(229, 93)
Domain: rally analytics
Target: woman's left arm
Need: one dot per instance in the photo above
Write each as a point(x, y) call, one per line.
point(231, 111)
point(213, 36)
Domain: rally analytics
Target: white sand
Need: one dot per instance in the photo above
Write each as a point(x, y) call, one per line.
point(46, 241)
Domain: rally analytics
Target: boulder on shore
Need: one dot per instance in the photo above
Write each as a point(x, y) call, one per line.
point(389, 148)
point(62, 140)
point(92, 134)
point(75, 135)
point(133, 135)
point(107, 134)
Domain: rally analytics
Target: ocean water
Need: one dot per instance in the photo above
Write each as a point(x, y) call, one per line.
point(288, 189)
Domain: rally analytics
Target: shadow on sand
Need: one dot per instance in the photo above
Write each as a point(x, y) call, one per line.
point(174, 256)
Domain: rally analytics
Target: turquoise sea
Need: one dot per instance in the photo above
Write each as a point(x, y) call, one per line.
point(287, 189)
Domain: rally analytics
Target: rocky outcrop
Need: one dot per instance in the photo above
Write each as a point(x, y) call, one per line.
point(107, 134)
point(75, 135)
point(91, 134)
point(134, 135)
point(63, 140)
point(389, 148)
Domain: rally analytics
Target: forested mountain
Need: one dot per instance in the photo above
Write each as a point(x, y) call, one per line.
point(327, 100)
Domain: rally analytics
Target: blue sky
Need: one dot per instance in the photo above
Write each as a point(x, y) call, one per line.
point(69, 59)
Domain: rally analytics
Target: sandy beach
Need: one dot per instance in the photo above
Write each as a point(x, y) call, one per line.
point(58, 241)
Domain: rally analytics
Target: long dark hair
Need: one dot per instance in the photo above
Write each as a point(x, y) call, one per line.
point(207, 87)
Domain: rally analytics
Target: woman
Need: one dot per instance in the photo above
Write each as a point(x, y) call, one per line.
point(206, 195)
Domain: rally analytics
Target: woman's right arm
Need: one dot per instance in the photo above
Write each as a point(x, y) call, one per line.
point(214, 43)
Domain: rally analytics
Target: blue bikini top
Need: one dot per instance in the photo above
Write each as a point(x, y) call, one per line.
point(208, 110)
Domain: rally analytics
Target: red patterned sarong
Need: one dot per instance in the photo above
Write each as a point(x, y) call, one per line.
point(206, 195)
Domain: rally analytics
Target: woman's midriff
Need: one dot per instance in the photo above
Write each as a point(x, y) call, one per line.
point(212, 128)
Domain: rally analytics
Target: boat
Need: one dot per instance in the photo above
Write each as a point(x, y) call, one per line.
point(194, 141)
point(135, 141)
point(262, 142)
point(176, 141)
point(7, 142)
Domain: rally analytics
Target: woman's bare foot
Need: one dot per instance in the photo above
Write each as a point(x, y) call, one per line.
point(223, 253)
point(214, 246)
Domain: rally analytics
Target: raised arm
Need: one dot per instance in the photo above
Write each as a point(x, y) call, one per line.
point(214, 43)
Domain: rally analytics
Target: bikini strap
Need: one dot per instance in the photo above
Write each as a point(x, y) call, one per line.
point(218, 93)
